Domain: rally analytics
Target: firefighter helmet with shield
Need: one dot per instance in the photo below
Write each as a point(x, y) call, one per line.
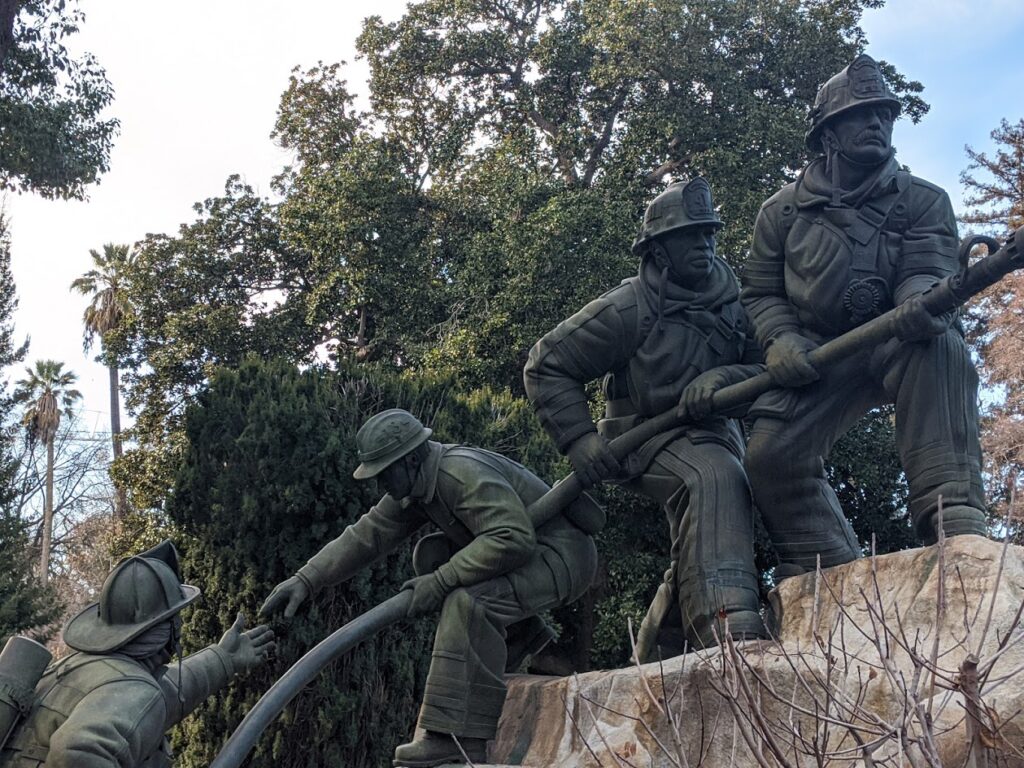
point(858, 84)
point(683, 204)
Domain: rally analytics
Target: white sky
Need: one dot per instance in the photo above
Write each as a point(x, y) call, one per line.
point(197, 87)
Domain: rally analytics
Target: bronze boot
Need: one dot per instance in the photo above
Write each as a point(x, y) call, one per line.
point(432, 749)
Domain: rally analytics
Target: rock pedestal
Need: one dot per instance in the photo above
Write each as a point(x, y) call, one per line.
point(865, 652)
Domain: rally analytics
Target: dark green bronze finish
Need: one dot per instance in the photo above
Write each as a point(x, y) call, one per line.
point(667, 337)
point(489, 571)
point(853, 237)
point(110, 706)
point(947, 295)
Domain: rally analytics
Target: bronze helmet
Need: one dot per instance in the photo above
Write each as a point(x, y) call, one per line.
point(683, 204)
point(139, 593)
point(385, 438)
point(859, 83)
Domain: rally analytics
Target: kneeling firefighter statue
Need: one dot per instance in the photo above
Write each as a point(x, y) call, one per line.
point(490, 569)
point(109, 704)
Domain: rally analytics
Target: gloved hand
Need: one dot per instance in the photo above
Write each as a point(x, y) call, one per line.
point(913, 322)
point(248, 649)
point(289, 593)
point(592, 459)
point(787, 361)
point(428, 594)
point(695, 402)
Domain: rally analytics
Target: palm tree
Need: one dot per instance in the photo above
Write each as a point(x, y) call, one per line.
point(47, 393)
point(106, 312)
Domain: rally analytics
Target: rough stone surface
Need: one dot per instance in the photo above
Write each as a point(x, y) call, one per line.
point(871, 618)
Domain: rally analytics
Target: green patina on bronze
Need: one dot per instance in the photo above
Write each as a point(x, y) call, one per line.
point(668, 337)
point(488, 570)
point(851, 238)
point(109, 704)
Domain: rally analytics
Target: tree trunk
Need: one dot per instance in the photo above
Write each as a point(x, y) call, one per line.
point(120, 501)
point(115, 411)
point(44, 558)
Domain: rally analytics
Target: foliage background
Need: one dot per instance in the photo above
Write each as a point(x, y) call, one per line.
point(410, 256)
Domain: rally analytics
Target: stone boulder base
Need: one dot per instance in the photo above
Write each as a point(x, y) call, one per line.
point(856, 651)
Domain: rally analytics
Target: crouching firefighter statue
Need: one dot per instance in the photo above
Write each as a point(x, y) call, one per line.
point(670, 336)
point(487, 570)
point(853, 237)
point(109, 704)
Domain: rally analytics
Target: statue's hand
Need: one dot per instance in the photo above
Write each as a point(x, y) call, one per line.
point(250, 648)
point(592, 459)
point(696, 400)
point(290, 594)
point(912, 322)
point(787, 361)
point(428, 594)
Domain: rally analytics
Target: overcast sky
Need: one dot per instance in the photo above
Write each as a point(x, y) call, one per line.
point(197, 84)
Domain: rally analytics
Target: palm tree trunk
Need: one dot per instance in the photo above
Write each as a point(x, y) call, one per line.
point(44, 562)
point(115, 411)
point(120, 501)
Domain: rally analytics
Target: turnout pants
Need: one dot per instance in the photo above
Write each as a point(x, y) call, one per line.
point(934, 387)
point(712, 579)
point(465, 688)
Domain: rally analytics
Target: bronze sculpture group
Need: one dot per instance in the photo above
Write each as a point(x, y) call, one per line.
point(853, 237)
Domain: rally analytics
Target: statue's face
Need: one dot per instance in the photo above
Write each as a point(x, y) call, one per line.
point(397, 478)
point(691, 253)
point(865, 132)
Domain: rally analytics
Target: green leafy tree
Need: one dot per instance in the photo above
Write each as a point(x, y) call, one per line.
point(106, 313)
point(554, 121)
point(994, 186)
point(55, 141)
point(224, 287)
point(356, 206)
point(25, 603)
point(47, 394)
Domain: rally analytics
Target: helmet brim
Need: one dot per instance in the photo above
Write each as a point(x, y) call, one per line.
point(643, 239)
point(88, 633)
point(370, 469)
point(813, 137)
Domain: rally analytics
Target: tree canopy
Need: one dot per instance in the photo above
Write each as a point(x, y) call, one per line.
point(55, 140)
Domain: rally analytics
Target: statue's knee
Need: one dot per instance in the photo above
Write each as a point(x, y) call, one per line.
point(460, 601)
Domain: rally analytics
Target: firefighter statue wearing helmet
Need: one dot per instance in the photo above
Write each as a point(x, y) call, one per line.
point(487, 570)
point(666, 338)
point(851, 238)
point(109, 704)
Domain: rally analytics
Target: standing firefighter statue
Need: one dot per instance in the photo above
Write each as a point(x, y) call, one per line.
point(853, 237)
point(668, 337)
point(109, 704)
point(487, 570)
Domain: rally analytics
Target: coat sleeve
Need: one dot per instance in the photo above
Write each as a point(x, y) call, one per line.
point(592, 342)
point(201, 675)
point(764, 278)
point(487, 504)
point(372, 536)
point(930, 244)
point(117, 725)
